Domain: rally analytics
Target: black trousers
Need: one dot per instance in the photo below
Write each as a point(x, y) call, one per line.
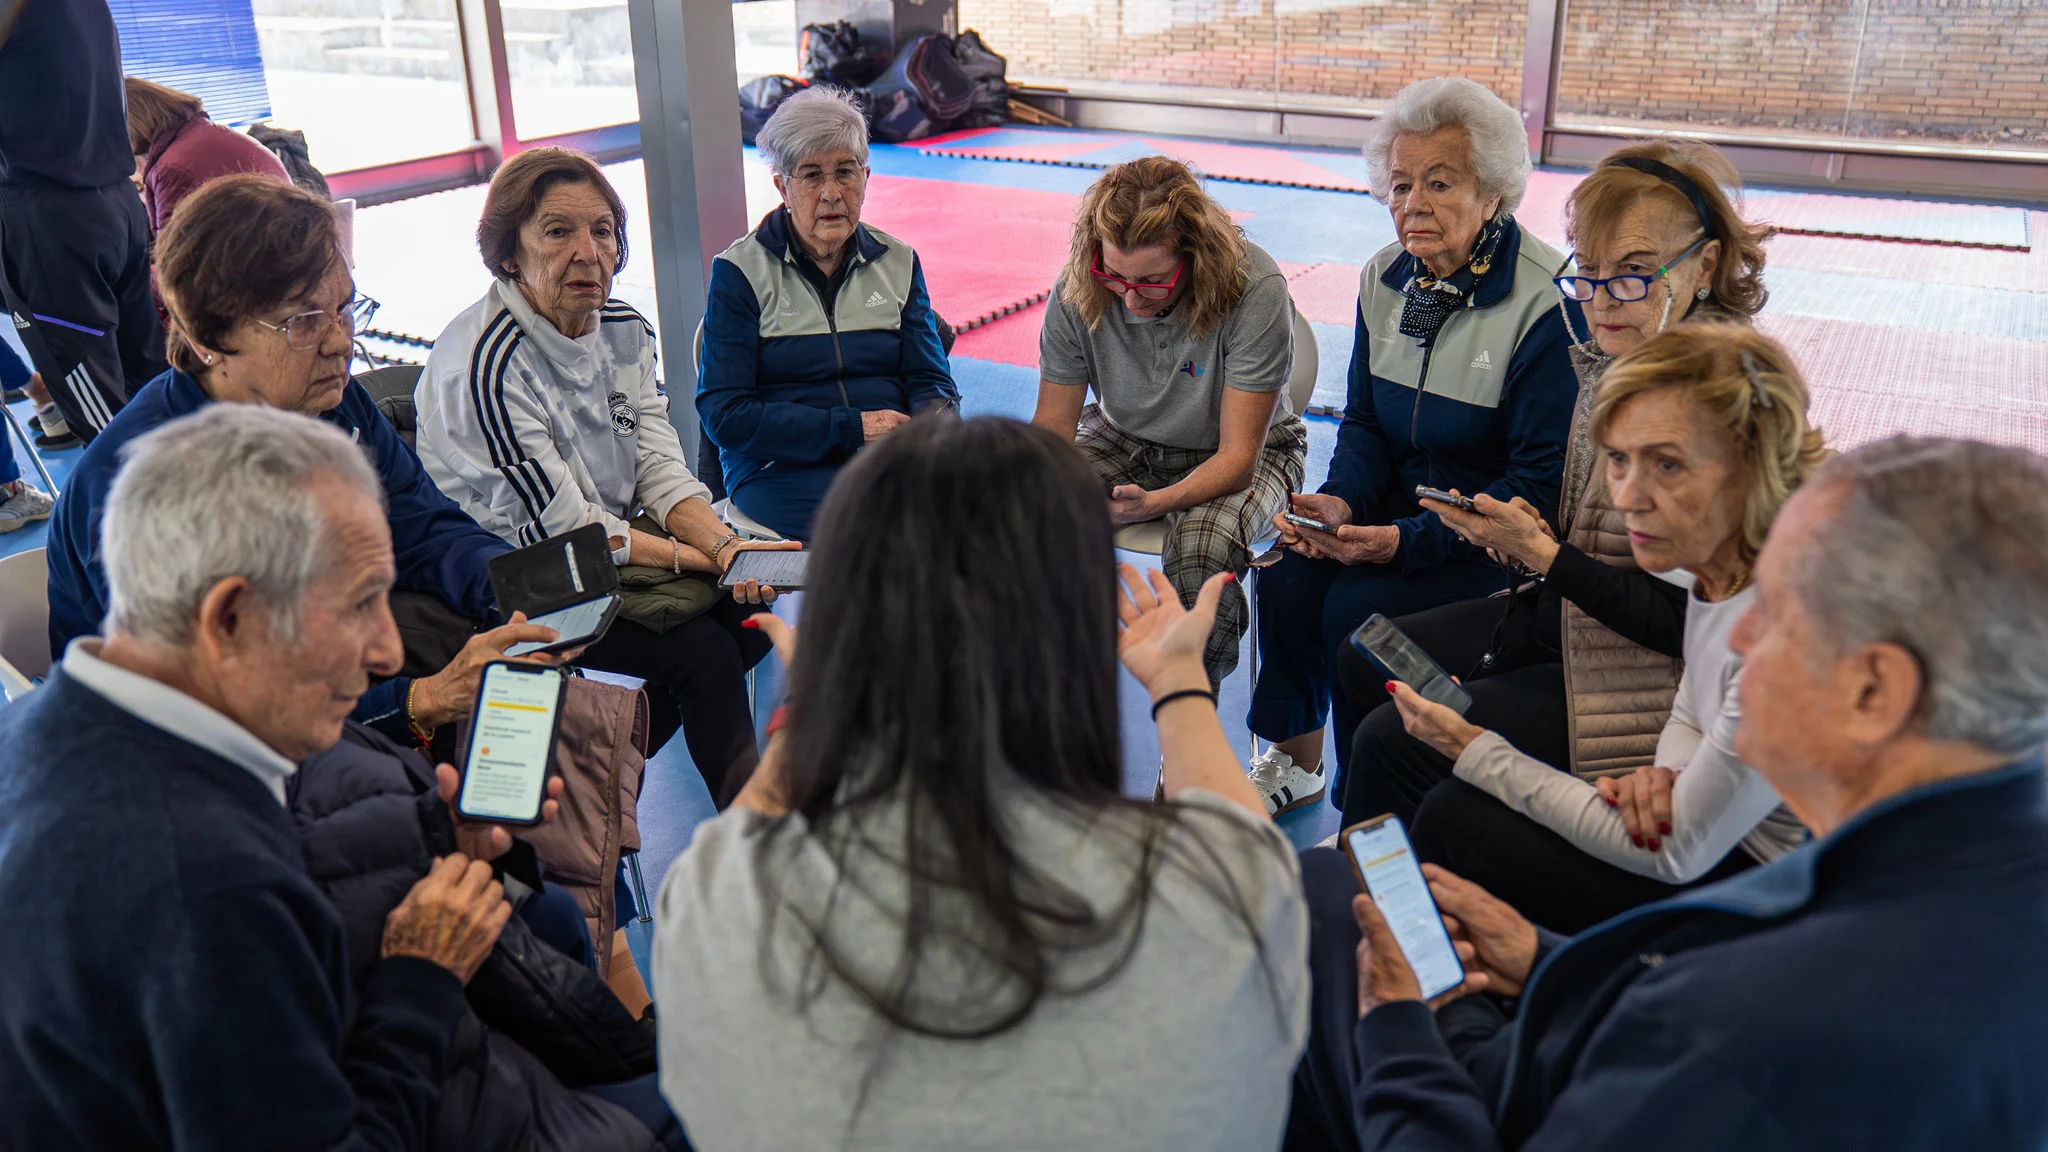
point(1543, 875)
point(696, 680)
point(74, 272)
point(1520, 695)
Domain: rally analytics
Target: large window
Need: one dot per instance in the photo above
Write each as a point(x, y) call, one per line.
point(571, 64)
point(764, 38)
point(1963, 72)
point(368, 81)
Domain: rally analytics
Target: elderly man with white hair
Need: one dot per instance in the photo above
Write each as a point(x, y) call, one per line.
point(818, 335)
point(1460, 379)
point(1877, 989)
point(177, 979)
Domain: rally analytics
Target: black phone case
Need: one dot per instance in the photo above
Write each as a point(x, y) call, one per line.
point(1365, 650)
point(732, 576)
point(555, 573)
point(554, 735)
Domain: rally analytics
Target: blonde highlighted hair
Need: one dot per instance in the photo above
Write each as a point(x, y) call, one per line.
point(1602, 198)
point(1750, 384)
point(1155, 201)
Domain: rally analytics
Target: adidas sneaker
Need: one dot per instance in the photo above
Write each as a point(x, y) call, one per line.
point(1285, 784)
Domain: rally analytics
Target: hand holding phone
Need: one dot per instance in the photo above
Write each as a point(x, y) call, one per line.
point(1379, 641)
point(1462, 503)
point(511, 749)
point(1300, 521)
point(1386, 869)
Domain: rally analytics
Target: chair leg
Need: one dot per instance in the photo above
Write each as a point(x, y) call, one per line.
point(28, 446)
point(639, 886)
point(1251, 604)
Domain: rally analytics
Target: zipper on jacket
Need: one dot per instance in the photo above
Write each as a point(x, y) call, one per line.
point(1415, 414)
point(832, 323)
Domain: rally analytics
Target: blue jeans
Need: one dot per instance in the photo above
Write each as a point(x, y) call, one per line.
point(1309, 608)
point(13, 374)
point(557, 921)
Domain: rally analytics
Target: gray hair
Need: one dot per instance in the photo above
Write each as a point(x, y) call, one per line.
point(815, 121)
point(1941, 546)
point(1499, 143)
point(227, 491)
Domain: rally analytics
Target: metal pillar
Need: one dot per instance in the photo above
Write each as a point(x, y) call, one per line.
point(1540, 45)
point(696, 195)
point(490, 79)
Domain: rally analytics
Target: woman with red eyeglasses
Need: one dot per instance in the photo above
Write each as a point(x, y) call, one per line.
point(1184, 332)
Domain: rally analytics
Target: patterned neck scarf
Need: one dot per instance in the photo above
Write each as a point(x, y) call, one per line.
point(1431, 301)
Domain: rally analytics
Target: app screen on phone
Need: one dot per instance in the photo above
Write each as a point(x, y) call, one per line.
point(569, 623)
point(508, 751)
point(1409, 664)
point(1395, 883)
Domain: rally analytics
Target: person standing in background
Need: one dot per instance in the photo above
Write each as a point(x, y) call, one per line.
point(74, 240)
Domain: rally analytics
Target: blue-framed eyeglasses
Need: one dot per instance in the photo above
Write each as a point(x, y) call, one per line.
point(1623, 289)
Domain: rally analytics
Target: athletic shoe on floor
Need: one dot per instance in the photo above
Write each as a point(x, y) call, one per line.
point(24, 507)
point(1285, 784)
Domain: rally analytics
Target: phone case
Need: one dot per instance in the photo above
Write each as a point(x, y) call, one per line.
point(470, 737)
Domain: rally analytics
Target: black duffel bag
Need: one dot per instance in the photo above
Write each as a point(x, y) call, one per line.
point(835, 54)
point(761, 97)
point(922, 94)
point(991, 89)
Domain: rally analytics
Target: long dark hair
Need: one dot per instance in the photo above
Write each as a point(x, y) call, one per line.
point(958, 650)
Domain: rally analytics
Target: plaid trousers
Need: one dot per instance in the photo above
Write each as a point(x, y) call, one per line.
point(1211, 537)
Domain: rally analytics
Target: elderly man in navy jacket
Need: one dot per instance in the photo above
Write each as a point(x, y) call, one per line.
point(1877, 989)
point(176, 979)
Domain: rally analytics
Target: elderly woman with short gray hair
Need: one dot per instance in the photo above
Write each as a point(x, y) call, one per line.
point(1460, 379)
point(818, 335)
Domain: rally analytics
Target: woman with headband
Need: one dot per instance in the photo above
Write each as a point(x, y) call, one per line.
point(1578, 669)
point(1704, 437)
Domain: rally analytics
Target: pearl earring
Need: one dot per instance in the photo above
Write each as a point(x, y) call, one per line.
point(206, 359)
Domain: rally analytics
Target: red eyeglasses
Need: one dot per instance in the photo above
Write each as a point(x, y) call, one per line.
point(1119, 285)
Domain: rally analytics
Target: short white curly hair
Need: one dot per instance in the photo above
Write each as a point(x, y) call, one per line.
point(815, 122)
point(1499, 144)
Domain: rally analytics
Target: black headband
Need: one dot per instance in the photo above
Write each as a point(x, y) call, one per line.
point(1676, 179)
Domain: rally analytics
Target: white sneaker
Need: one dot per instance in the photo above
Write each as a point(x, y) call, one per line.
point(1285, 784)
point(25, 507)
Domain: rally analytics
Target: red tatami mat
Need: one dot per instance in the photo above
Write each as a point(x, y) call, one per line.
point(978, 255)
point(1327, 293)
point(1870, 381)
point(1010, 340)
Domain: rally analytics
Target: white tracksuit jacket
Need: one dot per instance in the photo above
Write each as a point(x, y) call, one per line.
point(534, 433)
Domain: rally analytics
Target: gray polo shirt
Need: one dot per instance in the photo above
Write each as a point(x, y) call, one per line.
point(1155, 381)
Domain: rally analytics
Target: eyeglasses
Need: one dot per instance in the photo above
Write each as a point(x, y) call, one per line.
point(845, 176)
point(1119, 285)
point(307, 329)
point(1622, 289)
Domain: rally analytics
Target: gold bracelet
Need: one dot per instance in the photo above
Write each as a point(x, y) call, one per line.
point(730, 536)
point(412, 717)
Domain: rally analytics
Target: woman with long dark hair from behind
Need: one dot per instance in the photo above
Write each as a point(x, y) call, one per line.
point(932, 919)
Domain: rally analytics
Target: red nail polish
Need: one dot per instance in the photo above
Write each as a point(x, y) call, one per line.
point(1390, 686)
point(1636, 840)
point(1664, 827)
point(1653, 843)
point(1230, 577)
point(750, 622)
point(1610, 802)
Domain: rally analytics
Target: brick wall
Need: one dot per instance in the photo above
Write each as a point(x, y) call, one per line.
point(1973, 71)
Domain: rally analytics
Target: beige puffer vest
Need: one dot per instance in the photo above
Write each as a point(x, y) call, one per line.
point(1617, 693)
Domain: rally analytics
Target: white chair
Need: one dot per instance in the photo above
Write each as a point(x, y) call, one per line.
point(24, 622)
point(1149, 537)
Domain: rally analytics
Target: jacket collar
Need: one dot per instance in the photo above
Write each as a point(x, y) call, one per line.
point(775, 233)
point(1492, 290)
point(1959, 823)
point(183, 396)
point(164, 140)
point(575, 357)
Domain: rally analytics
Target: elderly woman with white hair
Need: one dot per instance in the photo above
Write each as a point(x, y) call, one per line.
point(1460, 378)
point(818, 335)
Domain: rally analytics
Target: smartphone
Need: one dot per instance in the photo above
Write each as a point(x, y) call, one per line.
point(1387, 870)
point(1300, 521)
point(511, 743)
point(1425, 492)
point(780, 570)
point(1404, 660)
point(578, 625)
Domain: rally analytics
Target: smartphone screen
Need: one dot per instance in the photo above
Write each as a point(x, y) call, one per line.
point(511, 744)
point(573, 623)
point(1405, 661)
point(1379, 848)
point(782, 570)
